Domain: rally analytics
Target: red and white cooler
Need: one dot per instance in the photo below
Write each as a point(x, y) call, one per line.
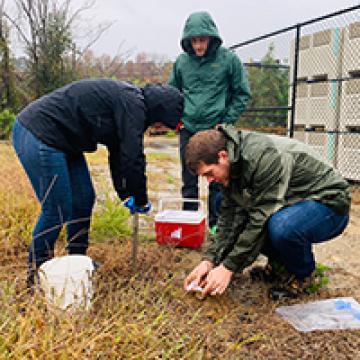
point(182, 228)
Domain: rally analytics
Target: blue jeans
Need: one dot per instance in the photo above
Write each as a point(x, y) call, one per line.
point(64, 189)
point(190, 184)
point(293, 230)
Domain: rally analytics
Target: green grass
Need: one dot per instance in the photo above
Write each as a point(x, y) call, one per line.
point(152, 157)
point(171, 134)
point(320, 279)
point(110, 221)
point(170, 179)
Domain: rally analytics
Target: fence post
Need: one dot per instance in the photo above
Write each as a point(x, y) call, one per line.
point(294, 81)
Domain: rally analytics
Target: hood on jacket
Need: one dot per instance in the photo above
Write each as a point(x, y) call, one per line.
point(200, 24)
point(234, 148)
point(164, 103)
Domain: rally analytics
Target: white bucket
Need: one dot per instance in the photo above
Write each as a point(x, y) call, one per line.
point(66, 281)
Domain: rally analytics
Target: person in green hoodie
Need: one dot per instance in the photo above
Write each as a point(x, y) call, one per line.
point(215, 88)
point(279, 199)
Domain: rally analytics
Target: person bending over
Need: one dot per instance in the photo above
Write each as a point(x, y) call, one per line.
point(51, 135)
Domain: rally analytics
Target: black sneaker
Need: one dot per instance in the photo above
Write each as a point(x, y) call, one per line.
point(292, 287)
point(271, 273)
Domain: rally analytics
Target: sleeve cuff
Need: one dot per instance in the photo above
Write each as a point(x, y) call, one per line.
point(232, 266)
point(209, 258)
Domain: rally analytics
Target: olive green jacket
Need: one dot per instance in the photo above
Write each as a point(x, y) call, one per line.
point(215, 86)
point(268, 172)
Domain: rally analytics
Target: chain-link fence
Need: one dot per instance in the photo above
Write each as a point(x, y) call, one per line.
point(305, 82)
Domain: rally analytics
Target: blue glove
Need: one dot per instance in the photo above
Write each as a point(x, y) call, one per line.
point(143, 209)
point(130, 204)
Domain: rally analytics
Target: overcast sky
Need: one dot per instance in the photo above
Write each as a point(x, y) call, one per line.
point(155, 26)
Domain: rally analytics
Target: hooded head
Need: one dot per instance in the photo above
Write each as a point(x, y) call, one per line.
point(197, 25)
point(164, 103)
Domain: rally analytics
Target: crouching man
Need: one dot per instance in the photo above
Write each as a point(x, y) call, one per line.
point(279, 199)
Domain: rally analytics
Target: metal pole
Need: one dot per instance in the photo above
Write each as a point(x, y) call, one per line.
point(135, 239)
point(294, 81)
point(289, 28)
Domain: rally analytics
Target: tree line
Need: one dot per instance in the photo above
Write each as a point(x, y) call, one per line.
point(53, 56)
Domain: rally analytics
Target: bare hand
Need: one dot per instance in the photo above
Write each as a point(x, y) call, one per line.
point(197, 275)
point(217, 280)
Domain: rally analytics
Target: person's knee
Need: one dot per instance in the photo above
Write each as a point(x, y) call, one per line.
point(279, 232)
point(55, 215)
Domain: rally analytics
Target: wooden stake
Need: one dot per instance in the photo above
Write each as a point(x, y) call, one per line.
point(135, 239)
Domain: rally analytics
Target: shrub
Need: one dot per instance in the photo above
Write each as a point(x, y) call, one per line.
point(7, 118)
point(111, 221)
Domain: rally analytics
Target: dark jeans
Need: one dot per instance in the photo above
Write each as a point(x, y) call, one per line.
point(190, 183)
point(64, 189)
point(293, 230)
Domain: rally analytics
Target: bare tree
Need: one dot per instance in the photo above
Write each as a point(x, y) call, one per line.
point(90, 65)
point(5, 100)
point(46, 28)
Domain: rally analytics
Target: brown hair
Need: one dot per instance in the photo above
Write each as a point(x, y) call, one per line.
point(204, 146)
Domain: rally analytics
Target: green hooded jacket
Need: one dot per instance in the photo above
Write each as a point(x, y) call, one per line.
point(215, 86)
point(268, 172)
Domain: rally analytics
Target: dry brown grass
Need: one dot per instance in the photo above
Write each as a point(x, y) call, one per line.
point(143, 314)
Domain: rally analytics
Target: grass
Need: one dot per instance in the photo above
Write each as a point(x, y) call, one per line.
point(130, 318)
point(99, 157)
point(110, 221)
point(320, 278)
point(141, 314)
point(17, 208)
point(152, 157)
point(171, 134)
point(170, 179)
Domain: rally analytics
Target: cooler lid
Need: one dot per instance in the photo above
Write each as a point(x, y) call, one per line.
point(180, 216)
